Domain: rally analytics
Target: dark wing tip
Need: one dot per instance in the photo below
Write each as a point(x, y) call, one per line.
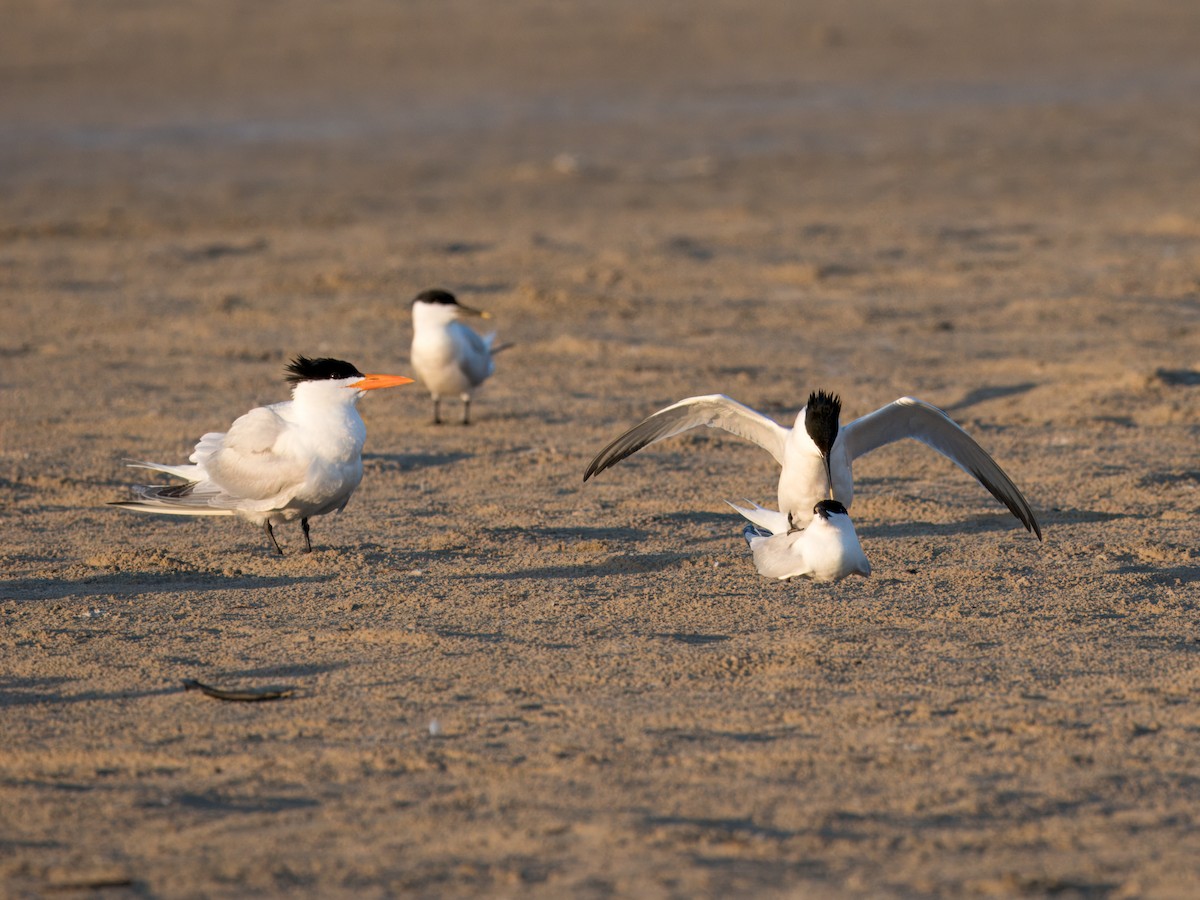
point(603, 460)
point(1017, 505)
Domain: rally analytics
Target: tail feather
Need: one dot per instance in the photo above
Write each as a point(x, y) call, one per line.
point(187, 473)
point(166, 509)
point(769, 520)
point(173, 500)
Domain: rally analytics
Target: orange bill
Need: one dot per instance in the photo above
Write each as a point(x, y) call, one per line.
point(371, 382)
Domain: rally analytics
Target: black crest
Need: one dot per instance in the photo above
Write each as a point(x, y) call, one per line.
point(436, 295)
point(821, 416)
point(324, 369)
point(827, 508)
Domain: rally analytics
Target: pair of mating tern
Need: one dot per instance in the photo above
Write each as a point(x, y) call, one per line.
point(303, 457)
point(811, 533)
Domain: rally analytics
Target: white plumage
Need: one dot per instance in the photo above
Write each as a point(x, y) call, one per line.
point(449, 358)
point(827, 549)
point(816, 455)
point(291, 460)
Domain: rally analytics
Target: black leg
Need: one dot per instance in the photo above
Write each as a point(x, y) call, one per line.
point(307, 539)
point(271, 534)
point(466, 411)
point(437, 411)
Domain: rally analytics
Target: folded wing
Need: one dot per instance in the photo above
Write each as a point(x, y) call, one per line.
point(476, 352)
point(252, 468)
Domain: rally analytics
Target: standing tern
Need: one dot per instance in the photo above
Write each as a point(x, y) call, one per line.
point(816, 454)
point(291, 460)
point(826, 550)
point(448, 356)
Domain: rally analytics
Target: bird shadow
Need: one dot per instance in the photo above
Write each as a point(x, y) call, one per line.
point(725, 827)
point(221, 804)
point(1156, 479)
point(989, 523)
point(569, 533)
point(283, 670)
point(619, 565)
point(410, 462)
point(948, 530)
point(125, 584)
point(1179, 377)
point(35, 692)
point(697, 518)
point(1171, 576)
point(982, 395)
point(695, 639)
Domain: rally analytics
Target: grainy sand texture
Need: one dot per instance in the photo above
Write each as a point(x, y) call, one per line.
point(506, 682)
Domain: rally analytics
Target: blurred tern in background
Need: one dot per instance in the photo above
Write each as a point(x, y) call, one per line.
point(291, 460)
point(817, 454)
point(449, 357)
point(826, 550)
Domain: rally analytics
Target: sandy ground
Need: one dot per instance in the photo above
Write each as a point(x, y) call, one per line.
point(992, 206)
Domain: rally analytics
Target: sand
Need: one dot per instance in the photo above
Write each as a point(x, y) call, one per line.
point(507, 682)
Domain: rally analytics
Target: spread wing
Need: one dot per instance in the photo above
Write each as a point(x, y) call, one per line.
point(252, 465)
point(713, 410)
point(921, 421)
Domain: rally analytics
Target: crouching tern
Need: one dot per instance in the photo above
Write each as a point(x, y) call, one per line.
point(448, 357)
point(291, 460)
point(826, 550)
point(816, 455)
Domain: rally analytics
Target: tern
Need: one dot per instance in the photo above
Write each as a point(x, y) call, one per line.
point(448, 356)
point(817, 454)
point(291, 460)
point(826, 550)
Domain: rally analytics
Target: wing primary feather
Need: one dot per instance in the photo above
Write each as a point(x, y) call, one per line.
point(924, 422)
point(713, 410)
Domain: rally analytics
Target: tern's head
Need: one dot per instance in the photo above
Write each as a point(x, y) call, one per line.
point(332, 376)
point(821, 415)
point(438, 307)
point(827, 508)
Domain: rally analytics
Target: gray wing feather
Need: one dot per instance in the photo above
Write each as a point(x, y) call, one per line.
point(476, 361)
point(924, 422)
point(713, 410)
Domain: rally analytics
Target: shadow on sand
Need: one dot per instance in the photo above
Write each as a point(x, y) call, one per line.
point(129, 584)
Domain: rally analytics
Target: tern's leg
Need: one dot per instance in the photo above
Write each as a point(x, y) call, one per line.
point(466, 409)
point(437, 410)
point(271, 534)
point(307, 539)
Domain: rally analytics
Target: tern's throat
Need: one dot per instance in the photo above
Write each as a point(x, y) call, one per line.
point(326, 419)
